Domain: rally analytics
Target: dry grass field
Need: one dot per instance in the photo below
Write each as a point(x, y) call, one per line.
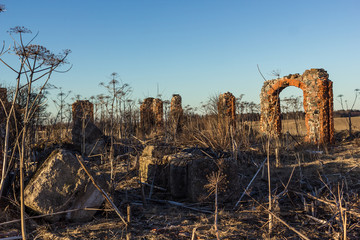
point(314, 194)
point(297, 127)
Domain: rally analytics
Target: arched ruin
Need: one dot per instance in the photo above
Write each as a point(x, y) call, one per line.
point(318, 104)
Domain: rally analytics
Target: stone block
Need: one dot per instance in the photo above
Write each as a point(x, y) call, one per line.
point(178, 173)
point(153, 165)
point(61, 184)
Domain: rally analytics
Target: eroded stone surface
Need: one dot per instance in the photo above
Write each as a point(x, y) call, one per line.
point(318, 104)
point(61, 184)
point(153, 164)
point(186, 173)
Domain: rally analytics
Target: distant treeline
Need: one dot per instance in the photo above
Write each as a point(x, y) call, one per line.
point(298, 115)
point(344, 113)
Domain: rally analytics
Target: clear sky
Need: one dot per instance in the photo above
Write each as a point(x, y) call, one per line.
point(196, 48)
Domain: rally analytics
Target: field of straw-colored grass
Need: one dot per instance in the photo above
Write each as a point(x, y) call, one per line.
point(297, 127)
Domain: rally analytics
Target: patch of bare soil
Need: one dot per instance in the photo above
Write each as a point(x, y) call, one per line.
point(315, 195)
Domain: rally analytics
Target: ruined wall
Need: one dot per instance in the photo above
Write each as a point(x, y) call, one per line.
point(318, 104)
point(176, 113)
point(227, 109)
point(151, 115)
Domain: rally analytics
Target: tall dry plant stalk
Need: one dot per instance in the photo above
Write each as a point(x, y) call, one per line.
point(36, 63)
point(216, 184)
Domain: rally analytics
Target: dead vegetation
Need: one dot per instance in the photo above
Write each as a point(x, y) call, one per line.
point(314, 192)
point(187, 176)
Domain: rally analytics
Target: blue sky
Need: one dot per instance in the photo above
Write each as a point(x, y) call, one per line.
point(195, 48)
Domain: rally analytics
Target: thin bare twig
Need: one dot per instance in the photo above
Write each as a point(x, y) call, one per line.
point(260, 167)
point(350, 211)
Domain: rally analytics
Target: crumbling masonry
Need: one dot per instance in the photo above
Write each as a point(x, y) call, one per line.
point(151, 115)
point(227, 109)
point(176, 113)
point(318, 104)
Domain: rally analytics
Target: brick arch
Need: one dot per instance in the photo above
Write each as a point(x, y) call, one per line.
point(318, 104)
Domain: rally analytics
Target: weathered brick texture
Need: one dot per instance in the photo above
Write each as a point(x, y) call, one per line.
point(157, 108)
point(227, 109)
point(318, 104)
point(151, 115)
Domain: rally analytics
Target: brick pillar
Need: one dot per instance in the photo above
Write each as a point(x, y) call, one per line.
point(151, 115)
point(176, 113)
point(227, 109)
point(147, 118)
point(157, 107)
point(325, 111)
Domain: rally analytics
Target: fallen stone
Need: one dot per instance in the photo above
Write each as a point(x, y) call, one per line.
point(60, 184)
